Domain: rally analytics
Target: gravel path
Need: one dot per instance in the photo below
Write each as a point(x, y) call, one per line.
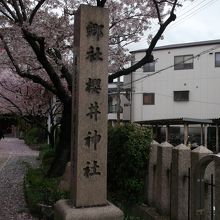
point(13, 154)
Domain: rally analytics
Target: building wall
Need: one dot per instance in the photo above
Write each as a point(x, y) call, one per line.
point(203, 83)
point(113, 94)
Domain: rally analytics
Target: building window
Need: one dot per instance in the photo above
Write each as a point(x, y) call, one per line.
point(148, 99)
point(217, 59)
point(183, 62)
point(149, 67)
point(180, 96)
point(114, 109)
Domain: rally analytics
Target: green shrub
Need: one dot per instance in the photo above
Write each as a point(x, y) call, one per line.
point(46, 156)
point(35, 136)
point(41, 193)
point(128, 151)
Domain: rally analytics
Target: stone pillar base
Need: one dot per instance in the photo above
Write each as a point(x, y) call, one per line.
point(146, 212)
point(63, 211)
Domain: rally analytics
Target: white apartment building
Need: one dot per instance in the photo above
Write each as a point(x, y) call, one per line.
point(118, 100)
point(181, 86)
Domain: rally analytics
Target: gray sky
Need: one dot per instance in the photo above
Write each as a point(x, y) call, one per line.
point(196, 21)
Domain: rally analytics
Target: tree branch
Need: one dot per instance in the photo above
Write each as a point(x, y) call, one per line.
point(158, 11)
point(9, 100)
point(173, 8)
point(41, 57)
point(23, 10)
point(9, 10)
point(101, 3)
point(19, 15)
point(4, 13)
point(41, 2)
point(148, 56)
point(67, 76)
point(35, 79)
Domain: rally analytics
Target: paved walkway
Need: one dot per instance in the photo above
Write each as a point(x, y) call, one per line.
point(13, 152)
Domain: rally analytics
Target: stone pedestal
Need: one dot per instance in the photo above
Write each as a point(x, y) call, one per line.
point(63, 211)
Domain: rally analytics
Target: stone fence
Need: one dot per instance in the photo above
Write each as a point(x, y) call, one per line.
point(180, 182)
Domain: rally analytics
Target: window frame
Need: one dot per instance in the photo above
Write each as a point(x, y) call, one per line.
point(182, 65)
point(217, 65)
point(152, 95)
point(149, 67)
point(178, 99)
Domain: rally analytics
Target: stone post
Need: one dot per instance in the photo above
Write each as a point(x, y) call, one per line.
point(150, 190)
point(205, 135)
point(181, 163)
point(201, 135)
point(196, 155)
point(163, 174)
point(186, 133)
point(89, 127)
point(167, 130)
point(217, 186)
point(217, 138)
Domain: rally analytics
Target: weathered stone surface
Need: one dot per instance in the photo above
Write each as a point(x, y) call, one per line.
point(150, 190)
point(179, 187)
point(63, 211)
point(90, 107)
point(202, 150)
point(196, 155)
point(217, 186)
point(89, 125)
point(164, 157)
point(65, 180)
point(154, 143)
point(148, 213)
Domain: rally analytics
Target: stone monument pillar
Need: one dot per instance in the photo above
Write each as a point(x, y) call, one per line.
point(89, 127)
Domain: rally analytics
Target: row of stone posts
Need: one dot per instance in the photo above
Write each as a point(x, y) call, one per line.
point(170, 187)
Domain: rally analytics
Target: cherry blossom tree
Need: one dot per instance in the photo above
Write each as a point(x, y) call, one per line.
point(28, 101)
point(38, 35)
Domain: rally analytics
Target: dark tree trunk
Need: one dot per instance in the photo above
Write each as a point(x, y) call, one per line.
point(62, 152)
point(51, 137)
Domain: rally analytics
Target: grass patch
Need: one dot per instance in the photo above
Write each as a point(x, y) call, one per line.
point(41, 193)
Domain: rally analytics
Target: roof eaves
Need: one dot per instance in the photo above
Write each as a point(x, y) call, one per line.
point(182, 45)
